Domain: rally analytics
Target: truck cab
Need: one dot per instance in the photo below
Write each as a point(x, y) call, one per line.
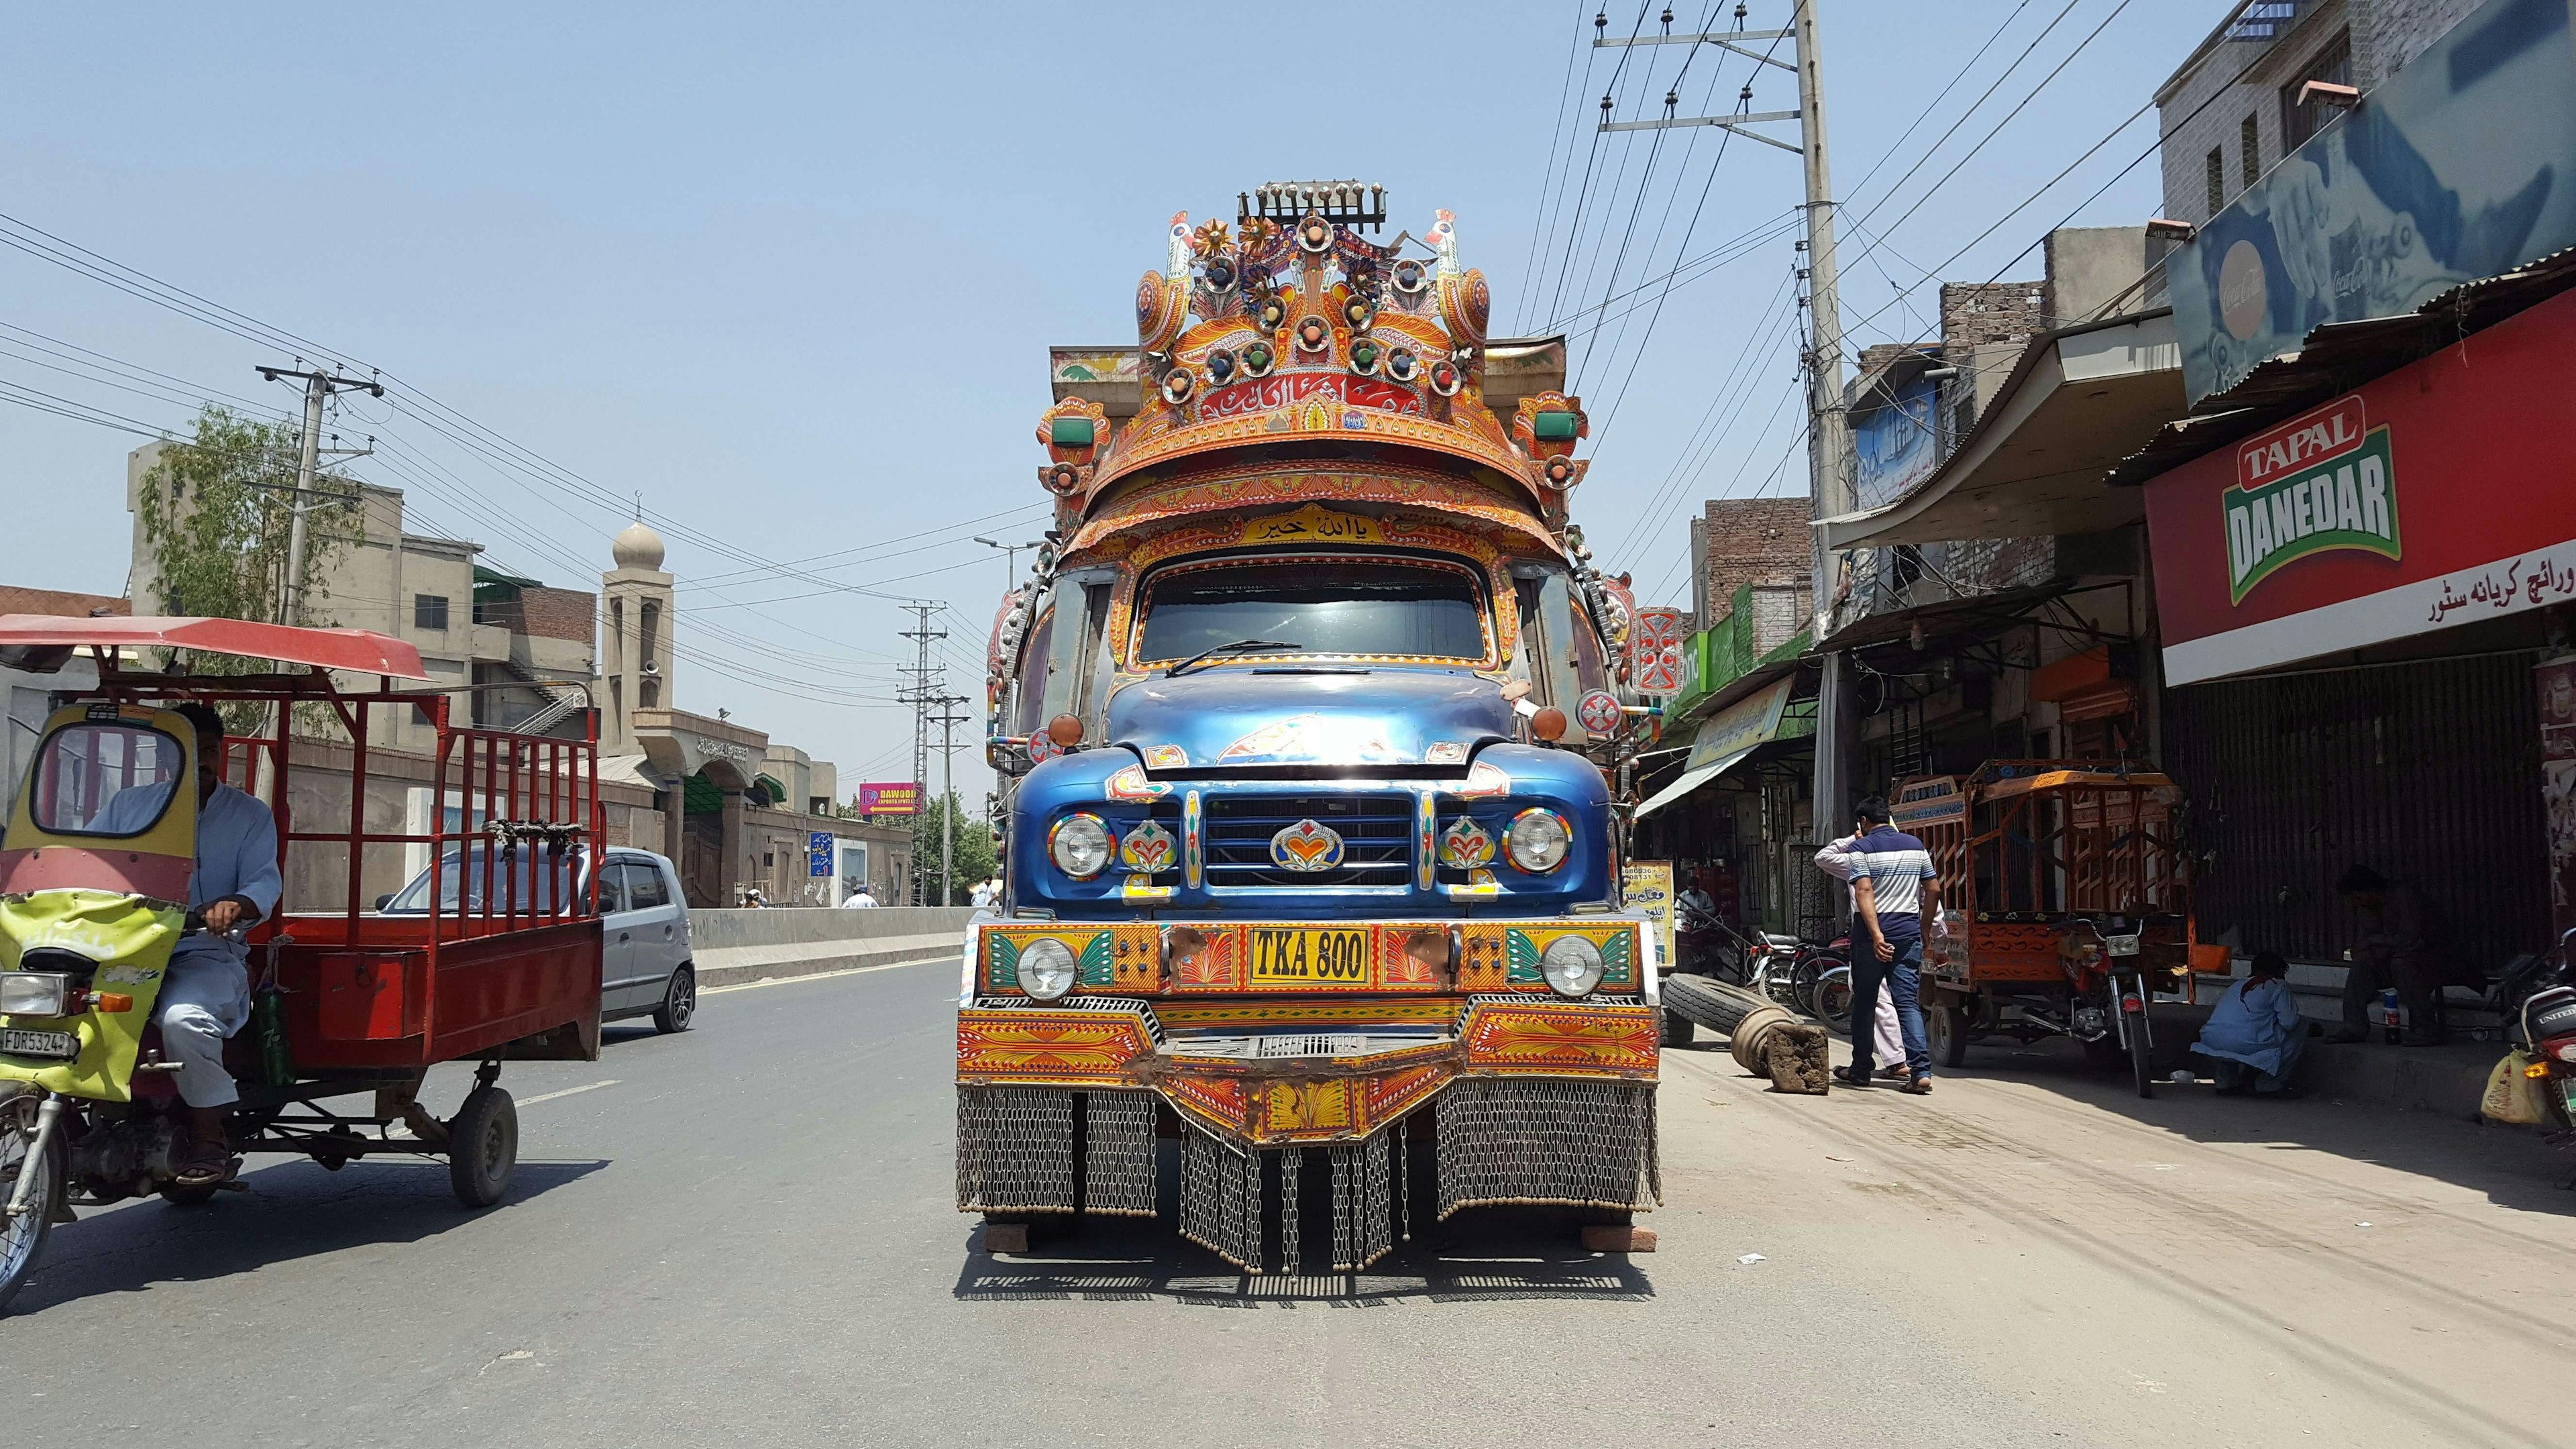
point(1309, 722)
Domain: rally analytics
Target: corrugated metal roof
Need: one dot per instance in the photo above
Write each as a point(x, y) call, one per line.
point(2341, 356)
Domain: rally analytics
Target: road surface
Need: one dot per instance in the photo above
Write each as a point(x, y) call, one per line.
point(745, 1236)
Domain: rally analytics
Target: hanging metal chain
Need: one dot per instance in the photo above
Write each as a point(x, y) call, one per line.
point(1289, 1162)
point(1536, 1141)
point(1118, 1155)
point(1014, 1149)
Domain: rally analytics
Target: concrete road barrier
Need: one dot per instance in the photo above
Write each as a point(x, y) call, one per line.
point(735, 946)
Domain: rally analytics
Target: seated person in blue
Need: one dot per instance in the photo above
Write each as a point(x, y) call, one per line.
point(205, 997)
point(2255, 1033)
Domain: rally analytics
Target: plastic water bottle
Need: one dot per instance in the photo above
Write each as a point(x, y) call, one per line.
point(2389, 1029)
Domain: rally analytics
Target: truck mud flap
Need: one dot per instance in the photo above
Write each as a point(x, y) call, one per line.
point(1543, 1141)
point(1016, 1151)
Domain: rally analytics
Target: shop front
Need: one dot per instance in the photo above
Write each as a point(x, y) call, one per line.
point(1733, 818)
point(2363, 610)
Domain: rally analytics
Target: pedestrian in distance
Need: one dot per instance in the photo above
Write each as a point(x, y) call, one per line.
point(982, 895)
point(2405, 945)
point(2255, 1034)
point(859, 899)
point(1893, 886)
point(1887, 1044)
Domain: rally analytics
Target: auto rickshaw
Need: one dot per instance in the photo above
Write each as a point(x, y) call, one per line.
point(348, 1003)
point(2066, 898)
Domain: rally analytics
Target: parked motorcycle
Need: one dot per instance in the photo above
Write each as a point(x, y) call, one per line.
point(2539, 1006)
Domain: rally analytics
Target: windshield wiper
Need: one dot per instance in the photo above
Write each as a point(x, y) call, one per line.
point(1239, 646)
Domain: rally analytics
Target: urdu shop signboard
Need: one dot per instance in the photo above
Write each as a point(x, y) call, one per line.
point(2440, 494)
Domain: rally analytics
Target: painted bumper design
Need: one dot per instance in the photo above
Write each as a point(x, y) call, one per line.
point(1286, 1066)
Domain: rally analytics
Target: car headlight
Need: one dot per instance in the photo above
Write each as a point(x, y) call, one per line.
point(1572, 965)
point(1046, 968)
point(1538, 840)
point(35, 993)
point(1079, 845)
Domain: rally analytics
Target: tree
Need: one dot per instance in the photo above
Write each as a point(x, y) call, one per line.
point(216, 511)
point(975, 857)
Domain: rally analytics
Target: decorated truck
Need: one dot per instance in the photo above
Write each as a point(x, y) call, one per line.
point(1309, 723)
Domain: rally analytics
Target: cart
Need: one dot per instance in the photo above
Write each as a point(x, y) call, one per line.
point(351, 1007)
point(2067, 901)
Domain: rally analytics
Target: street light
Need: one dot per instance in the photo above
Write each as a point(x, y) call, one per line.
point(1010, 557)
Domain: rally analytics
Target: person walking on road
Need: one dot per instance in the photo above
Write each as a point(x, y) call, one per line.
point(1886, 1043)
point(1893, 886)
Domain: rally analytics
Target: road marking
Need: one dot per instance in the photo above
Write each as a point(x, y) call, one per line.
point(566, 1092)
point(823, 975)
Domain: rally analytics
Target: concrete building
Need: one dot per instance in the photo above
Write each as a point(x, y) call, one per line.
point(488, 639)
point(2231, 111)
point(738, 813)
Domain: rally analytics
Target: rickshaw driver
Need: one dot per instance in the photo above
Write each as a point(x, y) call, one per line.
point(205, 996)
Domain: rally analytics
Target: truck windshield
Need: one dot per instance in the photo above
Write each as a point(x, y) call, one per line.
point(1403, 608)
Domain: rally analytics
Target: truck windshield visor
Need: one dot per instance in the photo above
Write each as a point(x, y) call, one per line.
point(1340, 608)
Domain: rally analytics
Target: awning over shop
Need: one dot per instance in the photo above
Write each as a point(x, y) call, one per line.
point(1689, 780)
point(1725, 740)
point(2079, 400)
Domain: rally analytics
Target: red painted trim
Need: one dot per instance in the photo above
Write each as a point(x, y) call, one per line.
point(72, 867)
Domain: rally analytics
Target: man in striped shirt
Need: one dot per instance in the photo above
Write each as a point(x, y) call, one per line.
point(1893, 887)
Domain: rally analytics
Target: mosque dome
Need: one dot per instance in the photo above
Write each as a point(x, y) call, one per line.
point(637, 547)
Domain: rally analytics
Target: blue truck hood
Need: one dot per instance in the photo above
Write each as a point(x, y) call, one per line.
point(1235, 716)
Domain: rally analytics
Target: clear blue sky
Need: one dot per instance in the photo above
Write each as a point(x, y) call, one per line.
point(791, 271)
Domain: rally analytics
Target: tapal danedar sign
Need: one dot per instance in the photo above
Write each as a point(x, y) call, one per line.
point(2325, 481)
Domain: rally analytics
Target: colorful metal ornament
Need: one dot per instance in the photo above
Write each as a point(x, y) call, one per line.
point(1402, 365)
point(1149, 848)
point(1466, 844)
point(1306, 847)
point(1600, 713)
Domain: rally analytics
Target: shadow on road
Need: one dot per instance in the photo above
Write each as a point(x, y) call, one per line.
point(293, 1210)
point(1481, 1254)
point(2514, 1167)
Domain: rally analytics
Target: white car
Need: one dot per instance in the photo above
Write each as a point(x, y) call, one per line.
point(644, 958)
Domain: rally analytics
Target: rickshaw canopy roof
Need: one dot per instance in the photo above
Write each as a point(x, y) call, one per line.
point(359, 651)
point(2076, 778)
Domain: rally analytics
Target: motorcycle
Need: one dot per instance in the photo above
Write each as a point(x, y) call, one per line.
point(2539, 1007)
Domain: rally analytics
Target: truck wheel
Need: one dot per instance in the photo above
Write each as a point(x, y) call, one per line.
point(22, 1240)
point(482, 1147)
point(1947, 1026)
point(679, 1002)
point(1678, 1028)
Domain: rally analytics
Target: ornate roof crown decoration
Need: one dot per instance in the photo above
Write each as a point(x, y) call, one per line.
point(1290, 326)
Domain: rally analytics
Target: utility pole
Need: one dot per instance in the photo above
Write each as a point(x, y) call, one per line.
point(1828, 481)
point(948, 721)
point(318, 387)
point(924, 690)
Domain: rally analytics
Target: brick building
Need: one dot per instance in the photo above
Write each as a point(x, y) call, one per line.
point(1739, 541)
point(2231, 111)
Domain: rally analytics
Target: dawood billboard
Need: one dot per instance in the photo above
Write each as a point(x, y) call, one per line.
point(2442, 493)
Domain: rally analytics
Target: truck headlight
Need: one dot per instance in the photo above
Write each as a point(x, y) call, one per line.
point(35, 993)
point(1046, 968)
point(1079, 845)
point(1572, 965)
point(1537, 840)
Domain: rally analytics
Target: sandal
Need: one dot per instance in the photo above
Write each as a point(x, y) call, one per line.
point(1850, 1078)
point(1918, 1087)
point(207, 1163)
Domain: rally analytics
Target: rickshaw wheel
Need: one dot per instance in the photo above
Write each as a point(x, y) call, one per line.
point(22, 1243)
point(483, 1147)
point(1947, 1026)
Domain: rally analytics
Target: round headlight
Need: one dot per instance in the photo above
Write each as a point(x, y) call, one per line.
point(1538, 840)
point(1572, 965)
point(1047, 970)
point(1079, 845)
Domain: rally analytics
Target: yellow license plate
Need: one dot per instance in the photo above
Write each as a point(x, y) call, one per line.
point(1307, 956)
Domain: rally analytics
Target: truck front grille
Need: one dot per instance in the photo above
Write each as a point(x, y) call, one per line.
point(1376, 831)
